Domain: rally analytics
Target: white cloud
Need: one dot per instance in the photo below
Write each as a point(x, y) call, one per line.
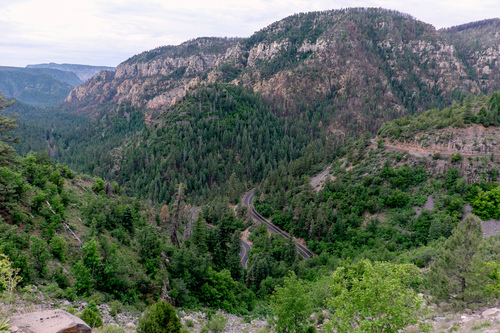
point(106, 32)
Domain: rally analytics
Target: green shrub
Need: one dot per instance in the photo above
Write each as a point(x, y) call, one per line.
point(160, 318)
point(111, 329)
point(455, 158)
point(116, 307)
point(320, 317)
point(71, 294)
point(93, 306)
point(58, 248)
point(487, 204)
point(96, 298)
point(217, 323)
point(98, 186)
point(91, 318)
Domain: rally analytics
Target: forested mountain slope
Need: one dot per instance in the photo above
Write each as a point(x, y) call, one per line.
point(478, 46)
point(76, 236)
point(407, 199)
point(469, 128)
point(217, 140)
point(41, 86)
point(357, 67)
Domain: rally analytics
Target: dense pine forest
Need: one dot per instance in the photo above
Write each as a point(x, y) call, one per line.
point(81, 236)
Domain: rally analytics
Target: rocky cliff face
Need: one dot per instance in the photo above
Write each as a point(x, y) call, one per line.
point(478, 46)
point(356, 68)
point(158, 78)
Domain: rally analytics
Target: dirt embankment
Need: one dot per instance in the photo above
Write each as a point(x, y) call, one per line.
point(474, 140)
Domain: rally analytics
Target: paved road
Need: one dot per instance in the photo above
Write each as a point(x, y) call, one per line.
point(247, 201)
point(245, 247)
point(422, 151)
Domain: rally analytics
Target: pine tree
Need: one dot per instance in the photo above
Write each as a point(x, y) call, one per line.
point(128, 220)
point(233, 261)
point(199, 236)
point(223, 239)
point(7, 124)
point(290, 255)
point(452, 277)
point(164, 215)
point(176, 218)
point(233, 188)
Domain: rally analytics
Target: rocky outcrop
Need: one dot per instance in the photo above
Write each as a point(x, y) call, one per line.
point(478, 46)
point(362, 66)
point(51, 321)
point(156, 82)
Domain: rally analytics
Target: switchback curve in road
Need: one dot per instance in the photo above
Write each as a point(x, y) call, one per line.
point(247, 201)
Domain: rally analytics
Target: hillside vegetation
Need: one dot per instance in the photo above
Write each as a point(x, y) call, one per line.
point(176, 135)
point(483, 110)
point(477, 46)
point(217, 141)
point(80, 237)
point(40, 87)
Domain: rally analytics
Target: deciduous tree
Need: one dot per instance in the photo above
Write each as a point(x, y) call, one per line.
point(374, 297)
point(291, 305)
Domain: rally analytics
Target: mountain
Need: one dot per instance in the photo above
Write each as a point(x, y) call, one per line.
point(156, 78)
point(357, 67)
point(84, 72)
point(478, 47)
point(40, 86)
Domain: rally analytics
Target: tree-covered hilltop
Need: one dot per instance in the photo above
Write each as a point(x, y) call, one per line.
point(471, 110)
point(217, 140)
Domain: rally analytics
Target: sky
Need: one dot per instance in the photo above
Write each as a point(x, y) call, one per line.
point(107, 32)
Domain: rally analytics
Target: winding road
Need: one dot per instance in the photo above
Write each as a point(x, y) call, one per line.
point(247, 201)
point(417, 151)
point(245, 247)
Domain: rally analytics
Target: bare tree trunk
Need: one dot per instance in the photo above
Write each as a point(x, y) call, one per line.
point(166, 282)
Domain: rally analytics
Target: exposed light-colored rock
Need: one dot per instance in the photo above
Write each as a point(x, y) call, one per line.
point(493, 312)
point(51, 321)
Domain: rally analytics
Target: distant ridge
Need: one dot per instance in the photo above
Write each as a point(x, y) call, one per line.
point(37, 86)
point(84, 72)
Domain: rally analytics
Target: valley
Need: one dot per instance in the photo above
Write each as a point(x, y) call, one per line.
point(336, 171)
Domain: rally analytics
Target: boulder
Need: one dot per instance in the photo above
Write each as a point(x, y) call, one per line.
point(490, 312)
point(51, 321)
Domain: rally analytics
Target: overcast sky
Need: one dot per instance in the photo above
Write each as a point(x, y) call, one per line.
point(107, 32)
